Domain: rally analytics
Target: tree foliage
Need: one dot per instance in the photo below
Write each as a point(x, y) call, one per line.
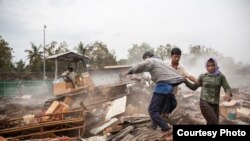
point(199, 50)
point(19, 68)
point(55, 48)
point(100, 55)
point(81, 48)
point(122, 62)
point(5, 55)
point(135, 53)
point(164, 52)
point(35, 57)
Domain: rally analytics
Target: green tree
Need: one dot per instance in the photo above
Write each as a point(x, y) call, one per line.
point(123, 62)
point(34, 56)
point(19, 68)
point(55, 48)
point(100, 55)
point(81, 48)
point(50, 49)
point(212, 51)
point(164, 51)
point(199, 50)
point(5, 55)
point(63, 47)
point(135, 53)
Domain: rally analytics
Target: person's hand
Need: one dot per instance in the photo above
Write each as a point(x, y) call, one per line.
point(128, 72)
point(185, 80)
point(124, 73)
point(227, 98)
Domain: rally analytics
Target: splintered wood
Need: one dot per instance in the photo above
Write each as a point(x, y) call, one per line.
point(55, 107)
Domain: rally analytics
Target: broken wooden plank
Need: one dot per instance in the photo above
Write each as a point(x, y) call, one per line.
point(97, 130)
point(117, 107)
point(112, 129)
point(122, 133)
point(129, 137)
point(245, 112)
point(51, 109)
point(239, 122)
point(68, 100)
point(135, 118)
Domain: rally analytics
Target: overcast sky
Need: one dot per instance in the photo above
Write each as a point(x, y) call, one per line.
point(221, 24)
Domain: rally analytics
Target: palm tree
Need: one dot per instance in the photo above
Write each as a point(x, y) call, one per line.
point(34, 56)
point(81, 48)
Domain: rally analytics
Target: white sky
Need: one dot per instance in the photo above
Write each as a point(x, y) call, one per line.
point(221, 24)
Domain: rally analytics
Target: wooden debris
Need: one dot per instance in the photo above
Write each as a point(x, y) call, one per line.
point(97, 130)
point(118, 106)
point(129, 137)
point(68, 100)
point(245, 112)
point(51, 110)
point(122, 133)
point(135, 118)
point(112, 129)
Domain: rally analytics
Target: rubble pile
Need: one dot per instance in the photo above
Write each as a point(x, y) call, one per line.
point(22, 105)
point(122, 113)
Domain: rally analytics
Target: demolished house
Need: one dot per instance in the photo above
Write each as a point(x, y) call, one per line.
point(110, 106)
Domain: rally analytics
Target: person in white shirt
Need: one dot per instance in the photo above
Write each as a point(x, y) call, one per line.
point(171, 104)
point(70, 75)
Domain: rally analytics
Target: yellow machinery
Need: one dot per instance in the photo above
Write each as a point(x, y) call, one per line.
point(100, 80)
point(62, 86)
point(108, 81)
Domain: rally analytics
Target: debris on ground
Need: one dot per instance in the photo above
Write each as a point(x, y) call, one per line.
point(109, 112)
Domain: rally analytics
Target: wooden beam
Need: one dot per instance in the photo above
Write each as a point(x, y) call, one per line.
point(47, 132)
point(46, 124)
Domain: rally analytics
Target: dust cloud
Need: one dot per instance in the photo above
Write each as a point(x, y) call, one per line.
point(237, 73)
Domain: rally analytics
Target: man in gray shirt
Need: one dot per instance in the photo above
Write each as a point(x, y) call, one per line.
point(165, 78)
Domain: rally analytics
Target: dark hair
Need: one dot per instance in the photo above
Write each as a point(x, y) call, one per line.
point(147, 54)
point(210, 60)
point(70, 67)
point(175, 51)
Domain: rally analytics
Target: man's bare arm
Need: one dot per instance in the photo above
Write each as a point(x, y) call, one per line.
point(192, 78)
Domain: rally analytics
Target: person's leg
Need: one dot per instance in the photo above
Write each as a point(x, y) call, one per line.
point(173, 104)
point(154, 110)
point(169, 106)
point(208, 113)
point(165, 108)
point(217, 111)
point(73, 80)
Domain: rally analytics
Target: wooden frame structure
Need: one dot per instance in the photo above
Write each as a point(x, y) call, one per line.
point(71, 124)
point(67, 57)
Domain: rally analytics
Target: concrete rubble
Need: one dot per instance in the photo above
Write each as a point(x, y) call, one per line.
point(120, 118)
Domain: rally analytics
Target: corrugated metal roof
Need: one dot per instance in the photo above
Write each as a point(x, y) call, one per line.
point(68, 56)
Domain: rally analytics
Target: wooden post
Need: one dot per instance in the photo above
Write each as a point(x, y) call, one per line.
point(56, 68)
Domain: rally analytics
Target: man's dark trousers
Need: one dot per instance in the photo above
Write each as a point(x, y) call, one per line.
point(155, 108)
